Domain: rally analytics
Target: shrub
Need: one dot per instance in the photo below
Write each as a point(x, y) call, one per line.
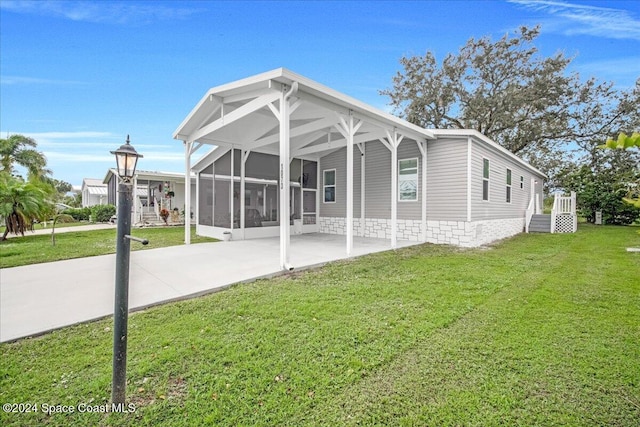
point(103, 213)
point(79, 214)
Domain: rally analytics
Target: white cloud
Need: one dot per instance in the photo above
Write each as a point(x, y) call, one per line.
point(579, 19)
point(70, 135)
point(73, 157)
point(22, 80)
point(119, 12)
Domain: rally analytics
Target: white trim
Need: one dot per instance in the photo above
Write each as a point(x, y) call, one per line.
point(335, 182)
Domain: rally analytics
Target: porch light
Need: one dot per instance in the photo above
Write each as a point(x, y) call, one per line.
point(126, 160)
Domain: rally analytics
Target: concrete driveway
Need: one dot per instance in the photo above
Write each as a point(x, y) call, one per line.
point(38, 298)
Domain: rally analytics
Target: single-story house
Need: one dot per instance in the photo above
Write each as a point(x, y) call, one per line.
point(94, 192)
point(154, 191)
point(287, 147)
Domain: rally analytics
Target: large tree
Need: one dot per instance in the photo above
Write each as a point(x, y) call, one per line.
point(21, 150)
point(529, 104)
point(602, 181)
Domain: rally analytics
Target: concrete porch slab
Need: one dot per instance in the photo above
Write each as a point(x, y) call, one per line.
point(39, 298)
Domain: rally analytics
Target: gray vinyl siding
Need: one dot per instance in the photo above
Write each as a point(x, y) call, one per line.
point(497, 207)
point(336, 160)
point(447, 179)
point(377, 182)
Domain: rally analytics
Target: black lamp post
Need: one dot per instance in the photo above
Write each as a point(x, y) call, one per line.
point(126, 160)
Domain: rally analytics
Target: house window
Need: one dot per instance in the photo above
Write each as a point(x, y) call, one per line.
point(408, 180)
point(508, 198)
point(329, 185)
point(485, 179)
point(521, 182)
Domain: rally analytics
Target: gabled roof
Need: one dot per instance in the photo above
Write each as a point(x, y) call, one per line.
point(151, 175)
point(92, 182)
point(242, 114)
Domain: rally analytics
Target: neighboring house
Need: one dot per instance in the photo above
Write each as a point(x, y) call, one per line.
point(94, 192)
point(331, 164)
point(154, 191)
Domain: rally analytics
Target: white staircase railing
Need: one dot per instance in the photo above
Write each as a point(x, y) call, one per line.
point(530, 211)
point(564, 205)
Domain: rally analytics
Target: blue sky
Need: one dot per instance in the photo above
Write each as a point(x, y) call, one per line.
point(79, 76)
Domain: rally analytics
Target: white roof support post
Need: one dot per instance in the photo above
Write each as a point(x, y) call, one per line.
point(188, 145)
point(362, 188)
point(348, 130)
point(243, 159)
point(394, 193)
point(232, 184)
point(285, 154)
point(213, 196)
point(422, 146)
point(349, 219)
point(394, 142)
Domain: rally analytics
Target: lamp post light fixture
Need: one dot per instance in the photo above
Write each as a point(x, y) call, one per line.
point(126, 160)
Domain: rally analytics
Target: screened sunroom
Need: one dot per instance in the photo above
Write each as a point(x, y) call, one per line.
point(220, 208)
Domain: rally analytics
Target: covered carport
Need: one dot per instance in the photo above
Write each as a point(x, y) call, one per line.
point(285, 114)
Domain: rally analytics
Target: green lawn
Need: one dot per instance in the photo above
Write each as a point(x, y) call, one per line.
point(538, 330)
point(33, 249)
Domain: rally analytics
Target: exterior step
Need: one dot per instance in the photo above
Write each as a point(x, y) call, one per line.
point(540, 224)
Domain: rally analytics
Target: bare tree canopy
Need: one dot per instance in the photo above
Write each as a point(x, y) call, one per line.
point(529, 104)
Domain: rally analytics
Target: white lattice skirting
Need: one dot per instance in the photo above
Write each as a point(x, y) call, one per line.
point(459, 233)
point(565, 223)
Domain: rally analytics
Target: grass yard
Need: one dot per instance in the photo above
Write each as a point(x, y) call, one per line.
point(539, 330)
point(33, 249)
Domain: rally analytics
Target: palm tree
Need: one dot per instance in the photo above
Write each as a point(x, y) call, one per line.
point(20, 150)
point(20, 202)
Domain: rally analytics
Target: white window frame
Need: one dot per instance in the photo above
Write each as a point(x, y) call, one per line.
point(487, 179)
point(509, 191)
point(417, 179)
point(334, 185)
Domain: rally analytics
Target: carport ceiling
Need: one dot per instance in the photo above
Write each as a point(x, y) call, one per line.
point(242, 114)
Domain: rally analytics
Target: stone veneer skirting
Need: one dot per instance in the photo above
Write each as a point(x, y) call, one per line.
point(459, 233)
